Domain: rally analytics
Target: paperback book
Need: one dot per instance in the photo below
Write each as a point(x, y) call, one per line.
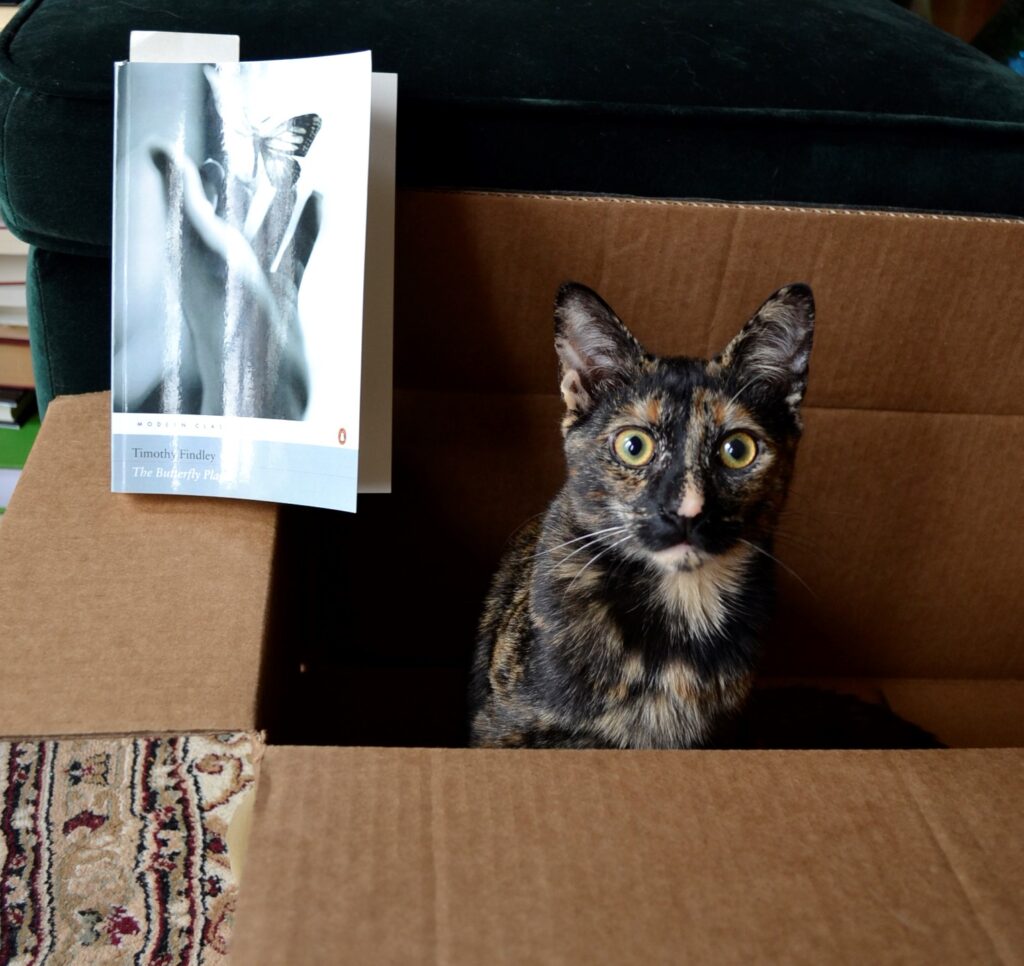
point(239, 237)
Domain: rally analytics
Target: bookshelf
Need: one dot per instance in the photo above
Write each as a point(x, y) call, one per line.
point(18, 428)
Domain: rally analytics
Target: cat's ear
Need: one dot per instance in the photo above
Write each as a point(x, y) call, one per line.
point(595, 350)
point(773, 348)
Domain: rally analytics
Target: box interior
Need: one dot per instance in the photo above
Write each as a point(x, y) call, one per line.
point(154, 614)
point(896, 584)
point(900, 581)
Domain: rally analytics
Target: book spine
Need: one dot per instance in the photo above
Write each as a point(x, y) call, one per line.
point(15, 364)
point(119, 243)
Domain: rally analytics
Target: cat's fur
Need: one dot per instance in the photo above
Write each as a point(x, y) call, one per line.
point(646, 635)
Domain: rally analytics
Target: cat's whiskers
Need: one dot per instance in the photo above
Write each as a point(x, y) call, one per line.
point(594, 558)
point(785, 567)
point(585, 536)
point(586, 546)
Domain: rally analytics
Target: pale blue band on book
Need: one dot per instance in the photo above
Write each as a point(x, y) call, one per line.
point(247, 469)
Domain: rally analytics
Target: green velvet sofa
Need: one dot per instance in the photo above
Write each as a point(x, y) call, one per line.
point(837, 102)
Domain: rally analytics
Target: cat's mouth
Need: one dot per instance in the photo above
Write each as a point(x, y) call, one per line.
point(680, 556)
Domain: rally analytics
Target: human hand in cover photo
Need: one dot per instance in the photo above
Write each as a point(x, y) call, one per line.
point(237, 250)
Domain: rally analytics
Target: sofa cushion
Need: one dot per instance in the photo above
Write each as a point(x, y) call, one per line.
point(840, 102)
point(69, 323)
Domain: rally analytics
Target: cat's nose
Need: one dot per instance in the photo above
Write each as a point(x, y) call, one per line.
point(692, 502)
point(680, 528)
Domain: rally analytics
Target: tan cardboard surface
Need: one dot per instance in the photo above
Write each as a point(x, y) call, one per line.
point(904, 528)
point(900, 526)
point(916, 312)
point(126, 613)
point(149, 614)
point(377, 856)
point(963, 714)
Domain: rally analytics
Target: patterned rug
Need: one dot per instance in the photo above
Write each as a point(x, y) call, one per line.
point(122, 850)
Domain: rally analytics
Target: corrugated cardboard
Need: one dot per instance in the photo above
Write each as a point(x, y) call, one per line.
point(914, 309)
point(899, 524)
point(910, 467)
point(903, 532)
point(372, 856)
point(126, 613)
point(894, 562)
point(897, 547)
point(962, 713)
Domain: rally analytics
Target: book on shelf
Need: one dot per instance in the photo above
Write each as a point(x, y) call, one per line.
point(13, 331)
point(240, 209)
point(16, 364)
point(16, 407)
point(10, 245)
point(13, 270)
point(14, 323)
point(12, 295)
point(15, 445)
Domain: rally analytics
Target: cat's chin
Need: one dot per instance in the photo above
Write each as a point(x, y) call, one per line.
point(681, 557)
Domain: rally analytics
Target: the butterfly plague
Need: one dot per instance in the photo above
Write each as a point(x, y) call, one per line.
point(273, 145)
point(277, 145)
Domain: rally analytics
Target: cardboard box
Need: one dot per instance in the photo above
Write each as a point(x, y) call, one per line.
point(903, 520)
point(132, 614)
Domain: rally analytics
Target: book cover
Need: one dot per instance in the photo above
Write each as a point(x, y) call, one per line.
point(240, 194)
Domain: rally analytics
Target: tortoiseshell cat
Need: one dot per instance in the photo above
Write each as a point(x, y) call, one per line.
point(630, 615)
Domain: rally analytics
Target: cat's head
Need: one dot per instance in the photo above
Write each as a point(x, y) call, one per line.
point(690, 457)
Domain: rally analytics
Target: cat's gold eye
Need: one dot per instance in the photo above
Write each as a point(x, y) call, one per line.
point(738, 450)
point(634, 447)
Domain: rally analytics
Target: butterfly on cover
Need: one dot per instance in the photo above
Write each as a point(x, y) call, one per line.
point(280, 144)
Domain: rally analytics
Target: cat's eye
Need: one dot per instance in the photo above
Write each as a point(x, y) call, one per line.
point(738, 450)
point(634, 447)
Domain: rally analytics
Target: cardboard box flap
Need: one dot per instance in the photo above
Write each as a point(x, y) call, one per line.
point(913, 309)
point(126, 613)
point(602, 857)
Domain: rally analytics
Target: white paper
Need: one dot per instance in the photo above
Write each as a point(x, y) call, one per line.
point(165, 47)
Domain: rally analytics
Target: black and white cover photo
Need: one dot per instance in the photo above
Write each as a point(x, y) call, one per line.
point(239, 230)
